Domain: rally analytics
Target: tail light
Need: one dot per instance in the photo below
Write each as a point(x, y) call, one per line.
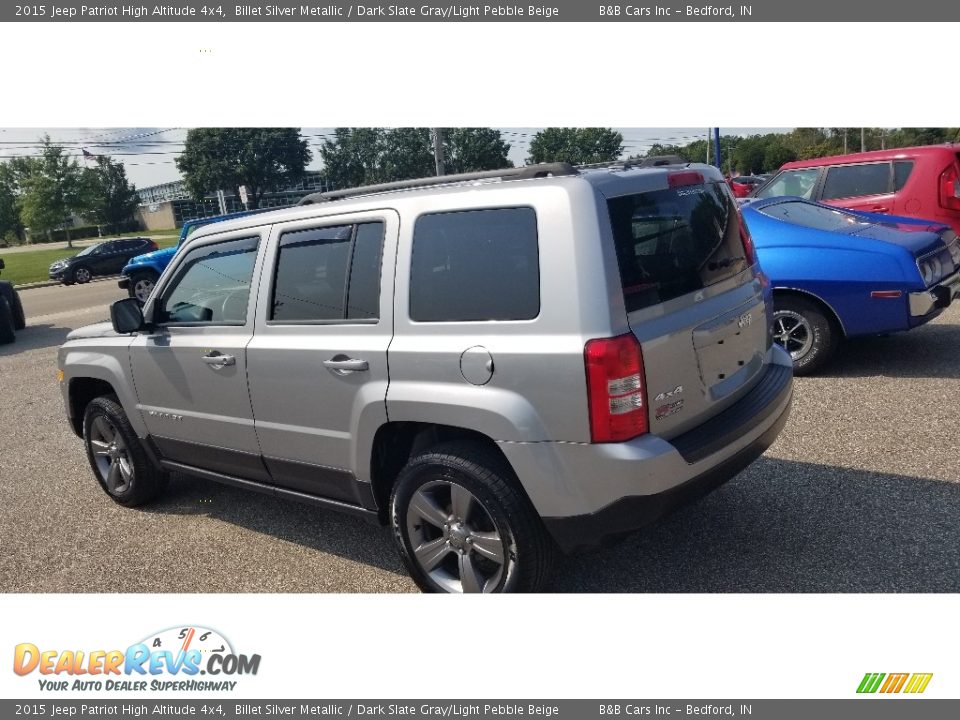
point(749, 251)
point(950, 188)
point(616, 392)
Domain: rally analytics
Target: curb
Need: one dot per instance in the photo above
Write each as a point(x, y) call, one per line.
point(52, 283)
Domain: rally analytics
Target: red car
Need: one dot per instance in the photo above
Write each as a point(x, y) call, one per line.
point(921, 182)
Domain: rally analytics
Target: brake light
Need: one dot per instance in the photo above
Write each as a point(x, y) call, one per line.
point(687, 177)
point(950, 188)
point(749, 251)
point(616, 392)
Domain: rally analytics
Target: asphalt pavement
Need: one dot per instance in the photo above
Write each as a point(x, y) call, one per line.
point(861, 493)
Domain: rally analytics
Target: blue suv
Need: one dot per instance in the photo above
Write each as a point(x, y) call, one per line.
point(141, 273)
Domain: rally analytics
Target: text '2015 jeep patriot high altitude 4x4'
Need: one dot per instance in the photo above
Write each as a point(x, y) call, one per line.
point(499, 365)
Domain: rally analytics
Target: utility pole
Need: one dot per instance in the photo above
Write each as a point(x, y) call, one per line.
point(707, 161)
point(717, 156)
point(844, 141)
point(438, 150)
point(863, 139)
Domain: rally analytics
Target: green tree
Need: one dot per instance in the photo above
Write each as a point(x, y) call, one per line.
point(474, 149)
point(52, 188)
point(10, 223)
point(407, 154)
point(113, 198)
point(578, 146)
point(352, 157)
point(263, 159)
point(777, 154)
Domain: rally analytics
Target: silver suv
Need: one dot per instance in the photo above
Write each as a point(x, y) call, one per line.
point(498, 365)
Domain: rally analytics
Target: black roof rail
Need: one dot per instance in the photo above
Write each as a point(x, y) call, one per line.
point(646, 162)
point(557, 169)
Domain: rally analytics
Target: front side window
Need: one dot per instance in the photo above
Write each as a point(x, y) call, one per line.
point(328, 273)
point(791, 182)
point(849, 181)
point(475, 265)
point(212, 285)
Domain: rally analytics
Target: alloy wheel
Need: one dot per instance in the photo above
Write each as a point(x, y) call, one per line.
point(82, 275)
point(111, 455)
point(793, 332)
point(455, 540)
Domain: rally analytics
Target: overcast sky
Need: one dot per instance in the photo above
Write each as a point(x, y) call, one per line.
point(149, 153)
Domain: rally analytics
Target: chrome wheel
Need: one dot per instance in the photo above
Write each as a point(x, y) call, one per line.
point(454, 539)
point(793, 332)
point(111, 456)
point(82, 275)
point(142, 289)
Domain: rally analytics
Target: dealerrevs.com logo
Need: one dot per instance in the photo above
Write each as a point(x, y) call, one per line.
point(172, 659)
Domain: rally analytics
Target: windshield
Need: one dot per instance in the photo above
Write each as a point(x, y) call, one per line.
point(92, 250)
point(791, 182)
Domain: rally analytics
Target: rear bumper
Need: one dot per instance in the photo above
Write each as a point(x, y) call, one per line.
point(935, 299)
point(595, 493)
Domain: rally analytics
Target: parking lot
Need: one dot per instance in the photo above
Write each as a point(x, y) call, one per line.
point(861, 493)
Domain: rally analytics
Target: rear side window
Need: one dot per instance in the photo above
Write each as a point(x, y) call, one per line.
point(673, 242)
point(901, 173)
point(328, 273)
point(791, 182)
point(475, 265)
point(856, 180)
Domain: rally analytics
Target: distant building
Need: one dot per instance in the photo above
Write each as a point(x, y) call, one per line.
point(170, 204)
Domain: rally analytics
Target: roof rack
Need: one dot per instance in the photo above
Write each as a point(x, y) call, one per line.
point(646, 162)
point(541, 170)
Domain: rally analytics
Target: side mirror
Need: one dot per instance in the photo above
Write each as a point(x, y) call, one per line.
point(127, 316)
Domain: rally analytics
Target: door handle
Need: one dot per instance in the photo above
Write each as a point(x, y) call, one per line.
point(341, 364)
point(217, 360)
point(880, 209)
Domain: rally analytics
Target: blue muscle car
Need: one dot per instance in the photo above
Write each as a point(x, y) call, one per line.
point(838, 274)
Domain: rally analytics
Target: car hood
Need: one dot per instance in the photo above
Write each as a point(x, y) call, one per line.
point(151, 256)
point(97, 330)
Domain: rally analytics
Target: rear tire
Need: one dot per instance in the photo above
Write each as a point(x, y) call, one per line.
point(117, 458)
point(805, 331)
point(7, 334)
point(462, 524)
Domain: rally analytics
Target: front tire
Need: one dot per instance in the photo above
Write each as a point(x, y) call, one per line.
point(19, 317)
point(802, 328)
point(141, 285)
point(81, 275)
point(462, 524)
point(116, 456)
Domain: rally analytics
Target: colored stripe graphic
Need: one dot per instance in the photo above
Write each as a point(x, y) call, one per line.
point(894, 683)
point(870, 682)
point(918, 683)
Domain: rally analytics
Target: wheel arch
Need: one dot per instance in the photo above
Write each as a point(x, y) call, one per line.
point(395, 443)
point(831, 314)
point(80, 392)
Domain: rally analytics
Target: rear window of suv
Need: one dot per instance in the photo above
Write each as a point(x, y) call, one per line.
point(673, 242)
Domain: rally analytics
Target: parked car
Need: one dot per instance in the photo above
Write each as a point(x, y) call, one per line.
point(140, 274)
point(497, 364)
point(840, 274)
point(12, 317)
point(105, 258)
point(919, 182)
point(743, 185)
